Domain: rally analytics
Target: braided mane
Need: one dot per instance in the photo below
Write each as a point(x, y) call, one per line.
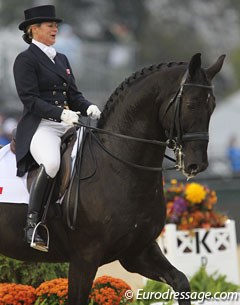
point(112, 101)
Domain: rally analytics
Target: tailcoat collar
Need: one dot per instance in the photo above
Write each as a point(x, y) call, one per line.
point(46, 61)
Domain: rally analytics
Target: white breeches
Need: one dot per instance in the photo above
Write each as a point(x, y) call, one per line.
point(45, 145)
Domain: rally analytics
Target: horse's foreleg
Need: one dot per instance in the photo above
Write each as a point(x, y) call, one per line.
point(152, 264)
point(80, 279)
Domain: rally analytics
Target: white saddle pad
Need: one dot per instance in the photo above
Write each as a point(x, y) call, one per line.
point(13, 189)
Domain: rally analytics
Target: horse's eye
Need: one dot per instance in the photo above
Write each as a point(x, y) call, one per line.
point(193, 104)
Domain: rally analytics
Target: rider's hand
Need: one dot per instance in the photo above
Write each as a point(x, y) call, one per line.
point(93, 112)
point(70, 117)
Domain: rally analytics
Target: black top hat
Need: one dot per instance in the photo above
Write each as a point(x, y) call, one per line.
point(39, 14)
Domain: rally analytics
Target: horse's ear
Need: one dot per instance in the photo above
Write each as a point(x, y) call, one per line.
point(194, 65)
point(215, 68)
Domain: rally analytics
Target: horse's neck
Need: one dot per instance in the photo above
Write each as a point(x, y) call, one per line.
point(136, 110)
point(136, 115)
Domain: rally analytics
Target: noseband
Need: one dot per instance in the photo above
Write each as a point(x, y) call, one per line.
point(175, 142)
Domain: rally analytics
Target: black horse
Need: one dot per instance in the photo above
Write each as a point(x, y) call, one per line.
point(121, 208)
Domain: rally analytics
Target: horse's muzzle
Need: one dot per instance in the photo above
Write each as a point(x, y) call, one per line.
point(194, 168)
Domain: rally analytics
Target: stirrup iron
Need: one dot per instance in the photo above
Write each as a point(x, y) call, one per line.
point(40, 246)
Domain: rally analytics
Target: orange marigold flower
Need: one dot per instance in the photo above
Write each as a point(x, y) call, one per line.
point(107, 290)
point(14, 294)
point(53, 292)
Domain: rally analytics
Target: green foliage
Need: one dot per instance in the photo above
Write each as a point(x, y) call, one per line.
point(202, 282)
point(135, 303)
point(14, 271)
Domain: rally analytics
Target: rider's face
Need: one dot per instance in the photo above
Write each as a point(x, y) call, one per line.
point(45, 32)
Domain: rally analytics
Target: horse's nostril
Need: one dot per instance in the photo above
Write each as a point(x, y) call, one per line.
point(192, 168)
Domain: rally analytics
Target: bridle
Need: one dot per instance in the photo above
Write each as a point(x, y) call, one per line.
point(176, 123)
point(173, 142)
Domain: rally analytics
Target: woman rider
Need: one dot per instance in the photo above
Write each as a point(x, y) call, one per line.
point(51, 105)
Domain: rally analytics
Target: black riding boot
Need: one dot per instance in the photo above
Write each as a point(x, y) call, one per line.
point(38, 194)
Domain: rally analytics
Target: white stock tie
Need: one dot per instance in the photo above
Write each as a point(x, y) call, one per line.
point(50, 52)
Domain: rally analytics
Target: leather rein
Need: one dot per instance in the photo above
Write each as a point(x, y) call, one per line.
point(173, 143)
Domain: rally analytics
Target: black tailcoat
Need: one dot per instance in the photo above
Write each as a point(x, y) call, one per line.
point(42, 86)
